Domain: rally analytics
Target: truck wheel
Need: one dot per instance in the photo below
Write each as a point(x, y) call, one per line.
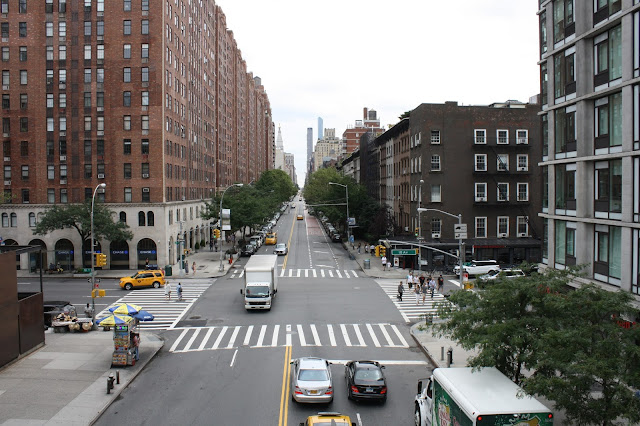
point(128, 286)
point(417, 417)
point(156, 284)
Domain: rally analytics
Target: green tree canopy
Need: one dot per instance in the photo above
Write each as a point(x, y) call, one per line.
point(78, 217)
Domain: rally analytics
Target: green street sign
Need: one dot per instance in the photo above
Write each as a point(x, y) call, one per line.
point(404, 252)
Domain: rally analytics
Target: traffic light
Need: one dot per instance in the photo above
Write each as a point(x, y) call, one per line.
point(383, 251)
point(216, 233)
point(417, 231)
point(101, 259)
point(377, 251)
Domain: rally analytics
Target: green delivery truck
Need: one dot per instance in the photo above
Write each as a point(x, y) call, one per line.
point(461, 396)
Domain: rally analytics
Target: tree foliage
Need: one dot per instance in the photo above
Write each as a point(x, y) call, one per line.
point(564, 344)
point(78, 217)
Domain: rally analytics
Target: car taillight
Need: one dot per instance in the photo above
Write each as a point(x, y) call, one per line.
point(297, 391)
point(329, 391)
point(383, 390)
point(354, 389)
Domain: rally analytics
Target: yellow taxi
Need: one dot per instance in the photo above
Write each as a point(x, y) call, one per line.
point(151, 278)
point(271, 239)
point(328, 418)
point(300, 217)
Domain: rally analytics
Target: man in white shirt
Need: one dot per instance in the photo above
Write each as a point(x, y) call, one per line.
point(384, 263)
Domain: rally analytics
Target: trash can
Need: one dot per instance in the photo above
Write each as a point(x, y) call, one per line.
point(168, 271)
point(367, 264)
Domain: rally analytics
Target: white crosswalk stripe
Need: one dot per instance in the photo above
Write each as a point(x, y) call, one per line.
point(167, 313)
point(410, 311)
point(308, 273)
point(380, 335)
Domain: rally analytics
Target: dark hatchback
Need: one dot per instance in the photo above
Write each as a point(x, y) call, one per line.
point(248, 250)
point(366, 381)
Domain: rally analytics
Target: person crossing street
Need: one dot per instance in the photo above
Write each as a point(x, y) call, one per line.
point(400, 291)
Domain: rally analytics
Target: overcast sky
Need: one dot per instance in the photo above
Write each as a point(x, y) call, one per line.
point(332, 58)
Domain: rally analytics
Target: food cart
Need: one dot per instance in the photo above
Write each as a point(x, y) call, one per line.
point(126, 342)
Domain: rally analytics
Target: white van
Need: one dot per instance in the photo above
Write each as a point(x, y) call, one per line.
point(478, 267)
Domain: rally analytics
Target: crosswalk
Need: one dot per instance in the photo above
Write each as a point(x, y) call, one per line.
point(410, 311)
point(167, 313)
point(309, 273)
point(380, 335)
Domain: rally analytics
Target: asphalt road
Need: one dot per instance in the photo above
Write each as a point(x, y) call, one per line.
point(223, 365)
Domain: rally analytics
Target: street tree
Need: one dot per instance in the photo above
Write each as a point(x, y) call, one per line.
point(78, 217)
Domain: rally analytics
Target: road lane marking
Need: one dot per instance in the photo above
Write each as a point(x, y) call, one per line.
point(179, 339)
point(316, 338)
point(345, 335)
point(286, 378)
point(332, 336)
point(206, 339)
point(233, 336)
point(303, 341)
point(193, 338)
point(356, 327)
point(247, 336)
point(274, 339)
point(263, 330)
point(373, 336)
point(216, 344)
point(233, 359)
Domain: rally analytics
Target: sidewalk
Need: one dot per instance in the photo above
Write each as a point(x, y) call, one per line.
point(65, 381)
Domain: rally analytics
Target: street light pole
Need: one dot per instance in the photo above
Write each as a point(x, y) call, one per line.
point(347, 192)
point(221, 268)
point(93, 254)
point(460, 253)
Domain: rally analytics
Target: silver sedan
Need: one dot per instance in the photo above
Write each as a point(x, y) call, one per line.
point(281, 249)
point(311, 380)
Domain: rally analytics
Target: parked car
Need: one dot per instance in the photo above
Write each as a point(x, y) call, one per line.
point(248, 249)
point(336, 237)
point(328, 418)
point(281, 249)
point(151, 278)
point(478, 267)
point(365, 381)
point(257, 240)
point(504, 273)
point(311, 380)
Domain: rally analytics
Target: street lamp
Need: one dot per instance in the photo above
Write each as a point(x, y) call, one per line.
point(460, 253)
point(221, 268)
point(93, 253)
point(347, 190)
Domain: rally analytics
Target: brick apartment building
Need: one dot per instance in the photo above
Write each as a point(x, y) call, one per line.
point(155, 103)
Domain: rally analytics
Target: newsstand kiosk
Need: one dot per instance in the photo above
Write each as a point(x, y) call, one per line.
point(126, 341)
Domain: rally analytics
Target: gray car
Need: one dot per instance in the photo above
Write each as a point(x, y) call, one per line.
point(311, 380)
point(281, 249)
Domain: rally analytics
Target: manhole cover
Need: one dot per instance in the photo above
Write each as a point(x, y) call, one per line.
point(192, 323)
point(194, 317)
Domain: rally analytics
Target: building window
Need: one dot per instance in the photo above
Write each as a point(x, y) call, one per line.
point(145, 74)
point(144, 27)
point(6, 104)
point(87, 75)
point(607, 255)
point(565, 188)
point(5, 54)
point(87, 123)
point(565, 126)
point(522, 162)
point(142, 219)
point(565, 240)
point(51, 196)
point(543, 32)
point(522, 225)
point(502, 162)
point(25, 172)
point(127, 5)
point(144, 52)
point(523, 191)
point(22, 29)
point(127, 170)
point(146, 195)
point(25, 196)
point(145, 170)
point(48, 29)
point(87, 171)
point(126, 51)
point(126, 147)
point(87, 28)
point(51, 172)
point(24, 101)
point(480, 136)
point(62, 6)
point(127, 195)
point(87, 52)
point(481, 227)
point(608, 189)
point(150, 219)
point(435, 136)
point(23, 54)
point(435, 163)
point(563, 19)
point(144, 122)
point(144, 146)
point(126, 99)
point(123, 217)
point(24, 80)
point(602, 9)
point(63, 196)
point(126, 27)
point(126, 122)
point(481, 192)
point(480, 162)
point(503, 226)
point(126, 75)
point(607, 57)
point(144, 98)
point(502, 137)
point(436, 193)
point(503, 191)
point(608, 123)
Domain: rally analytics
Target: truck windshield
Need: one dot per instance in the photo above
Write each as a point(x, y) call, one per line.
point(258, 291)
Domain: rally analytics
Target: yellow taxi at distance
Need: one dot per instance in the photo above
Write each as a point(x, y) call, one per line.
point(328, 418)
point(271, 239)
point(151, 278)
point(300, 217)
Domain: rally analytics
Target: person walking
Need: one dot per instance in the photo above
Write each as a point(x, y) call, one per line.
point(432, 286)
point(416, 292)
point(424, 288)
point(179, 291)
point(421, 279)
point(400, 291)
point(410, 279)
point(146, 263)
point(384, 263)
point(440, 284)
point(167, 291)
point(366, 248)
point(193, 268)
point(359, 247)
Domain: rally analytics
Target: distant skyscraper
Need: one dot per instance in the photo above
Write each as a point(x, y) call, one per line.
point(309, 143)
point(320, 128)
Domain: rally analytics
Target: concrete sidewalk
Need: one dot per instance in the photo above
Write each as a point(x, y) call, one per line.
point(65, 381)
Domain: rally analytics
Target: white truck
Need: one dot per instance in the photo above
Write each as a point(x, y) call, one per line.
point(260, 281)
point(461, 396)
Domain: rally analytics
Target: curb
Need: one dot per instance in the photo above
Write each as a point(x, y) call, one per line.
point(424, 350)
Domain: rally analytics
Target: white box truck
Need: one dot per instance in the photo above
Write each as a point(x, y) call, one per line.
point(260, 281)
point(461, 396)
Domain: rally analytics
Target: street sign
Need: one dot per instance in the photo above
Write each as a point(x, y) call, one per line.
point(460, 235)
point(460, 227)
point(404, 252)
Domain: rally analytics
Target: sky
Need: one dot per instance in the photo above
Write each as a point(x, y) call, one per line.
point(333, 58)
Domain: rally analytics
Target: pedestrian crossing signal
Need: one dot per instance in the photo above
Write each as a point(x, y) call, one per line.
point(216, 233)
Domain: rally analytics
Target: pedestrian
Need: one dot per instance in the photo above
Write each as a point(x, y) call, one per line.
point(179, 291)
point(146, 263)
point(421, 279)
point(440, 284)
point(359, 246)
point(416, 292)
point(366, 248)
point(384, 263)
point(193, 268)
point(432, 286)
point(424, 289)
point(167, 291)
point(400, 291)
point(211, 245)
point(372, 249)
point(88, 311)
point(215, 245)
point(410, 279)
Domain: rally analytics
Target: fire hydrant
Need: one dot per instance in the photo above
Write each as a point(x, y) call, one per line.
point(110, 381)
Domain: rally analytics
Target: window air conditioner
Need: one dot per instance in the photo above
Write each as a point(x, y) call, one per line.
point(435, 235)
point(481, 199)
point(63, 181)
point(522, 234)
point(100, 175)
point(145, 189)
point(522, 169)
point(7, 158)
point(522, 141)
point(502, 235)
point(406, 229)
point(145, 176)
point(7, 182)
point(63, 158)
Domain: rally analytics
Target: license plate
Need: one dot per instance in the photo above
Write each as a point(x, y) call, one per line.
point(313, 392)
point(369, 390)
